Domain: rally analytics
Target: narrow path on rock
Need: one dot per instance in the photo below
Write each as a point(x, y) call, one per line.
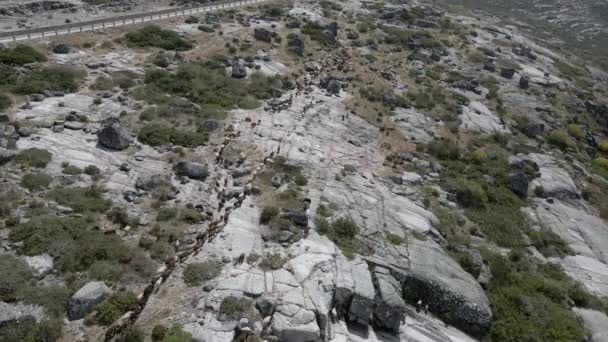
point(214, 228)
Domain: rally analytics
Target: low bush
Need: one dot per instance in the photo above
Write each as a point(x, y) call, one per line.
point(166, 214)
point(20, 55)
point(159, 332)
point(395, 239)
point(118, 215)
point(272, 262)
point(268, 213)
point(51, 78)
point(603, 146)
point(191, 20)
point(71, 170)
point(342, 232)
point(27, 329)
point(131, 334)
point(158, 135)
point(114, 307)
point(197, 273)
point(36, 181)
point(234, 308)
point(177, 334)
point(34, 157)
point(469, 193)
point(92, 170)
point(529, 304)
point(5, 102)
point(548, 243)
point(82, 200)
point(468, 264)
point(443, 149)
point(318, 33)
point(16, 275)
point(576, 131)
point(76, 246)
point(154, 36)
point(559, 138)
point(600, 166)
point(206, 28)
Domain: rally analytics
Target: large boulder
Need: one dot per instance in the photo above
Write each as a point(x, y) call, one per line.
point(551, 176)
point(389, 307)
point(297, 216)
point(263, 34)
point(85, 299)
point(295, 44)
point(354, 294)
point(13, 312)
point(334, 86)
point(6, 155)
point(114, 136)
point(294, 323)
point(239, 70)
point(191, 170)
point(41, 265)
point(452, 294)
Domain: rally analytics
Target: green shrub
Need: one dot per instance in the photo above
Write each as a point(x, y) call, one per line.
point(443, 149)
point(576, 131)
point(300, 180)
point(154, 36)
point(318, 33)
point(131, 335)
point(51, 78)
point(603, 146)
point(118, 215)
point(159, 332)
point(26, 329)
point(235, 308)
point(342, 232)
point(20, 55)
point(600, 165)
point(34, 157)
point(191, 216)
point(468, 264)
point(16, 275)
point(395, 239)
point(479, 156)
point(157, 135)
point(36, 181)
point(272, 261)
point(560, 139)
point(199, 272)
point(268, 213)
point(78, 247)
point(166, 214)
point(476, 57)
point(92, 170)
point(206, 28)
point(529, 305)
point(82, 200)
point(161, 250)
point(103, 83)
point(208, 85)
point(548, 243)
point(176, 334)
point(468, 193)
point(191, 20)
point(114, 307)
point(71, 170)
point(5, 102)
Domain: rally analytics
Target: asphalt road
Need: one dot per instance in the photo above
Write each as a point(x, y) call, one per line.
point(117, 21)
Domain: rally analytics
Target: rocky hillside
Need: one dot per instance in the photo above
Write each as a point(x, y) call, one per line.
point(303, 171)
